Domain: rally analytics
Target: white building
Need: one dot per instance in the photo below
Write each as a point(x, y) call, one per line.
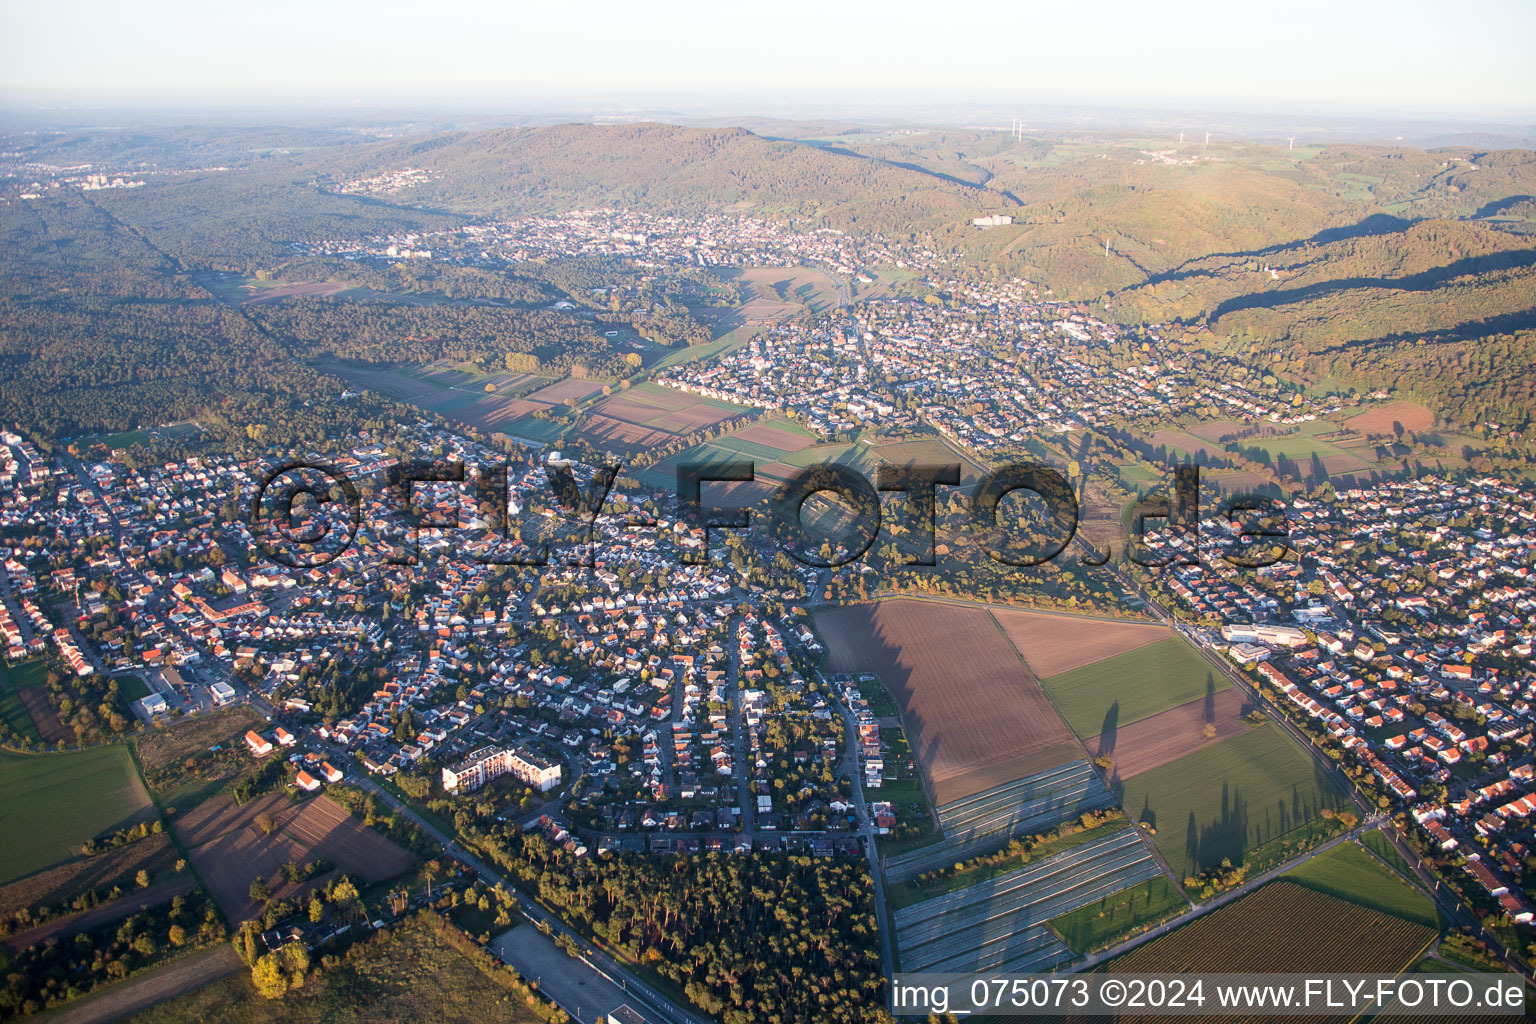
point(489, 763)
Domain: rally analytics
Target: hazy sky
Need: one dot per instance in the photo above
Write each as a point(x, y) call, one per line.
point(1410, 57)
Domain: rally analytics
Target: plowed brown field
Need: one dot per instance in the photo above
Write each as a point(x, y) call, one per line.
point(975, 716)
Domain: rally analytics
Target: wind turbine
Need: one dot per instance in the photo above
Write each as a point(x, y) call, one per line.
point(1292, 141)
point(1181, 136)
point(1207, 138)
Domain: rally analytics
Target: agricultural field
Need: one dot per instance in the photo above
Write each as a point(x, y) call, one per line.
point(984, 821)
point(1392, 419)
point(1117, 915)
point(1113, 692)
point(916, 890)
point(15, 682)
point(975, 715)
point(1053, 644)
point(1172, 734)
point(1230, 798)
point(647, 415)
point(230, 851)
point(58, 887)
point(51, 803)
point(1350, 873)
point(1000, 924)
point(412, 973)
point(765, 443)
point(777, 293)
point(1283, 927)
point(504, 401)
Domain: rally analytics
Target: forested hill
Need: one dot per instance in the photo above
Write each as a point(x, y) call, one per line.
point(663, 168)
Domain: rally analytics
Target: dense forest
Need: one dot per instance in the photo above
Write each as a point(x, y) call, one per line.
point(381, 331)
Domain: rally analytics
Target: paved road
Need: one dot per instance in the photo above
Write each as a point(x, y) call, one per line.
point(854, 770)
point(740, 750)
point(646, 998)
point(586, 995)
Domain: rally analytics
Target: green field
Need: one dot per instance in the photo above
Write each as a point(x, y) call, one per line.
point(132, 688)
point(1118, 914)
point(1377, 843)
point(12, 679)
point(1135, 475)
point(1227, 799)
point(1348, 872)
point(52, 803)
point(1134, 685)
point(127, 439)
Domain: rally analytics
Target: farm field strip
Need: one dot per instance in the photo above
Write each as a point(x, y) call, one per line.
point(1172, 734)
point(990, 922)
point(1050, 805)
point(1116, 691)
point(975, 935)
point(1050, 645)
point(1090, 796)
point(1230, 797)
point(1017, 800)
point(959, 813)
point(1005, 893)
point(1283, 926)
point(1027, 944)
point(974, 713)
point(56, 801)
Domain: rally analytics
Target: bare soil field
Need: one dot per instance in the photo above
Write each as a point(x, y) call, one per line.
point(785, 291)
point(571, 387)
point(678, 415)
point(607, 431)
point(974, 714)
point(1052, 644)
point(65, 882)
point(1214, 432)
point(35, 700)
point(330, 831)
point(1172, 734)
point(773, 437)
point(231, 852)
point(1234, 481)
point(232, 862)
point(214, 818)
point(1386, 419)
point(1186, 443)
point(1344, 465)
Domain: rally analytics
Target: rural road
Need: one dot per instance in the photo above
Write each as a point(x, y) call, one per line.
point(103, 914)
point(141, 993)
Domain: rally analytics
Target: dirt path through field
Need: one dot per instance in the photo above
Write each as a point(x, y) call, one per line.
point(141, 993)
point(117, 909)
